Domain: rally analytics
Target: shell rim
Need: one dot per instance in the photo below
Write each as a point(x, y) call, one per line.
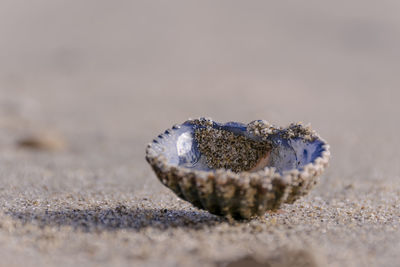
point(267, 173)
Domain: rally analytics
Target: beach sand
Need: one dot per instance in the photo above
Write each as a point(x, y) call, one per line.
point(85, 86)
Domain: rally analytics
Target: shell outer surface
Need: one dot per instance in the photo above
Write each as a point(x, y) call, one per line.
point(188, 157)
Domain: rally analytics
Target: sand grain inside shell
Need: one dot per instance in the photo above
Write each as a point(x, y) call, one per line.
point(227, 150)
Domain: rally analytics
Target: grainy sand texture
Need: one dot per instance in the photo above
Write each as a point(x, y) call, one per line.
point(85, 85)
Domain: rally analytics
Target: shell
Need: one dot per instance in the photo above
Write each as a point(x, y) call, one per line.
point(237, 170)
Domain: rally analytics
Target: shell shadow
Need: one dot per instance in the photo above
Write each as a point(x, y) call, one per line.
point(120, 217)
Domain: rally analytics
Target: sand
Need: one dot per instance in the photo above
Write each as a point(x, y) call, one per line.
point(85, 86)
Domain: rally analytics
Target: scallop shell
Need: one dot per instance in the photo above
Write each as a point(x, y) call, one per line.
point(238, 170)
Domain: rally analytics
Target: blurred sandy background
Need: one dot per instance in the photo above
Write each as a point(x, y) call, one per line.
point(105, 77)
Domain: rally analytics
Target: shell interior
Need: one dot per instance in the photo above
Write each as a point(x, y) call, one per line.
point(231, 146)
